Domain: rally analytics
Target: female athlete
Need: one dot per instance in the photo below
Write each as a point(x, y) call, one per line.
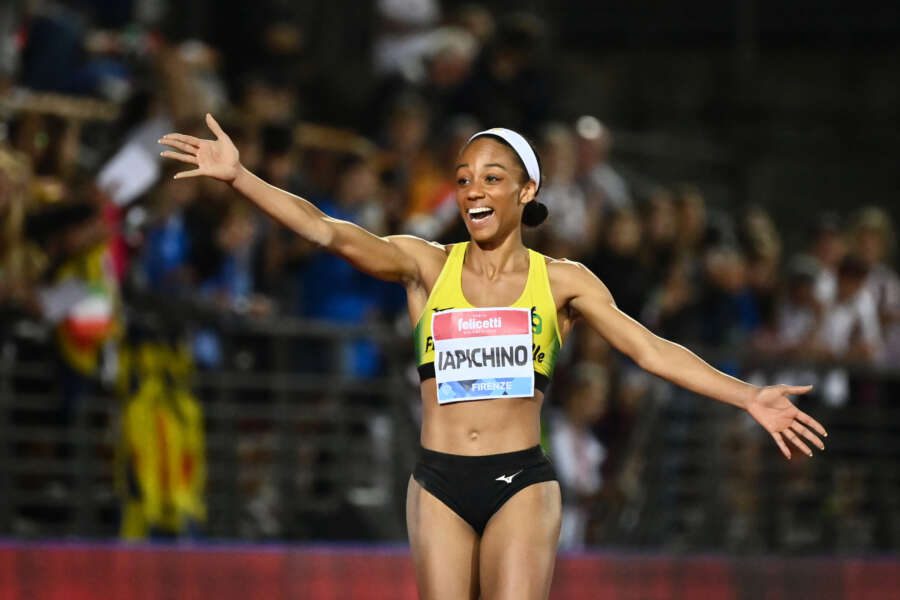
point(483, 504)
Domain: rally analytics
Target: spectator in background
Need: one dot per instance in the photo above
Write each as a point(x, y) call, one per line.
point(673, 266)
point(357, 192)
point(405, 25)
point(51, 145)
point(262, 41)
point(477, 20)
point(267, 99)
point(230, 282)
point(828, 247)
point(600, 181)
point(279, 251)
point(617, 261)
point(167, 245)
point(448, 63)
point(57, 56)
point(873, 239)
point(572, 229)
point(278, 154)
point(509, 85)
point(19, 264)
point(730, 314)
point(673, 309)
point(799, 314)
point(690, 206)
point(350, 296)
point(198, 68)
point(850, 329)
point(695, 234)
point(576, 451)
point(627, 393)
point(406, 137)
point(447, 58)
point(204, 219)
point(762, 246)
point(660, 224)
point(54, 52)
point(80, 296)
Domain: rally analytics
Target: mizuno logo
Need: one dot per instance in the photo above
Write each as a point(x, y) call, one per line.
point(508, 478)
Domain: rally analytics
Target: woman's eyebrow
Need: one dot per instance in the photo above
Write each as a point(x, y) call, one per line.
point(461, 165)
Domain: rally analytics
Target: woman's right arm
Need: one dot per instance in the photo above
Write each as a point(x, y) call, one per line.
point(389, 258)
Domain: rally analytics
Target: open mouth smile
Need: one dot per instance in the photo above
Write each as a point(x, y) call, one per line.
point(480, 214)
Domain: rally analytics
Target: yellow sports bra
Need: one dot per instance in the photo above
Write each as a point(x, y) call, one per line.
point(448, 294)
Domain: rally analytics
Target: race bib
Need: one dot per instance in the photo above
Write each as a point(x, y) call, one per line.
point(482, 353)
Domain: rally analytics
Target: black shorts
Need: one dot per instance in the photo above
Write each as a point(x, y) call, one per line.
point(475, 487)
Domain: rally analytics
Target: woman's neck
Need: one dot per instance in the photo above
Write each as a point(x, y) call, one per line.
point(492, 259)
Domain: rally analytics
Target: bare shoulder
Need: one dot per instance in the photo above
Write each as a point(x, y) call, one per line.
point(570, 279)
point(564, 272)
point(428, 256)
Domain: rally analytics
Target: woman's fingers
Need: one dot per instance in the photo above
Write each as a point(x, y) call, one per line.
point(185, 174)
point(178, 145)
point(180, 137)
point(214, 127)
point(809, 435)
point(795, 440)
point(808, 420)
point(798, 389)
point(185, 158)
point(784, 449)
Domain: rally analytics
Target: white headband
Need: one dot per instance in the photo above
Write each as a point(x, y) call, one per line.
point(520, 145)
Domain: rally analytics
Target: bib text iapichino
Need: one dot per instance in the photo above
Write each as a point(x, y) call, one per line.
point(483, 353)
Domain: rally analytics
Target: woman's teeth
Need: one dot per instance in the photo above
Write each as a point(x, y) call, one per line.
point(479, 213)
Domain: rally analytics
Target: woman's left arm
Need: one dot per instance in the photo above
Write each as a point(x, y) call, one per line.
point(770, 406)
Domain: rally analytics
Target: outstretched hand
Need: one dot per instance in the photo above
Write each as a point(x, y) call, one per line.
point(775, 412)
point(216, 158)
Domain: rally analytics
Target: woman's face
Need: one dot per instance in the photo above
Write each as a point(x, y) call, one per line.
point(491, 191)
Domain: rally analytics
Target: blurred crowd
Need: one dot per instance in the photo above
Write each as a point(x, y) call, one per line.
point(92, 219)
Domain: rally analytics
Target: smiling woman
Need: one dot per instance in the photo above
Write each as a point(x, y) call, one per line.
point(533, 212)
point(483, 504)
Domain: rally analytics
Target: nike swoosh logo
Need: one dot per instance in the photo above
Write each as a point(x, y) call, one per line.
point(442, 309)
point(508, 478)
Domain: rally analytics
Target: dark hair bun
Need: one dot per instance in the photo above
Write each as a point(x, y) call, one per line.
point(534, 214)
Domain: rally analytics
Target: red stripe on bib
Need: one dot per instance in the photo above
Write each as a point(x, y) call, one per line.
point(480, 323)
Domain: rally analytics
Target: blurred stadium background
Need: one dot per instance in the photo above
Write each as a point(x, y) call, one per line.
point(193, 403)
